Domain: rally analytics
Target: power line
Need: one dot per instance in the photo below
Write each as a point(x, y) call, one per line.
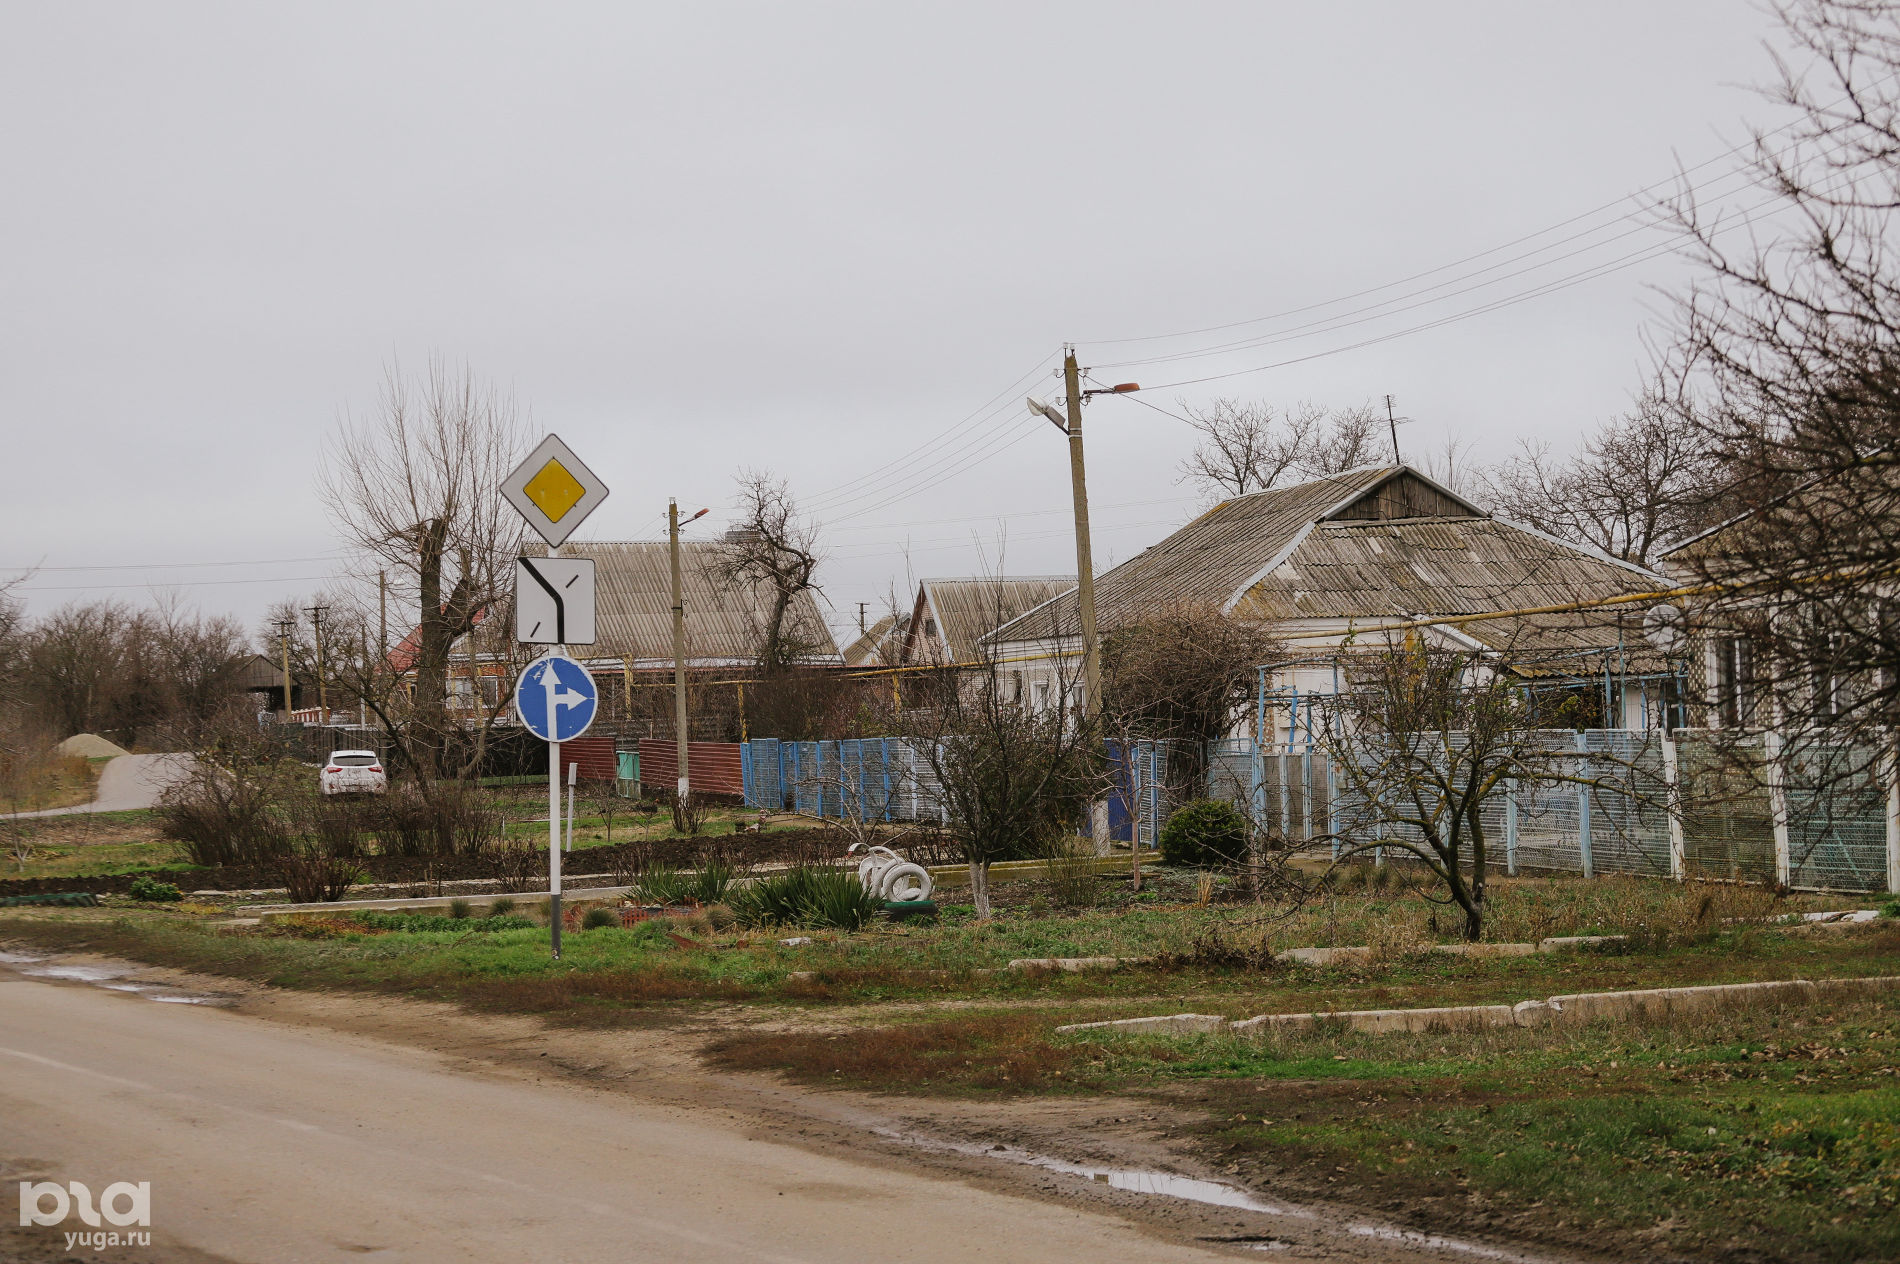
point(181, 583)
point(155, 566)
point(1645, 190)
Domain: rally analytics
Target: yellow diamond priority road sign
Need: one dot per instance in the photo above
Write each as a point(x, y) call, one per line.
point(553, 490)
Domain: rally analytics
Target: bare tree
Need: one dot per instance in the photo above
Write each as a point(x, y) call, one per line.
point(418, 488)
point(1422, 740)
point(1642, 483)
point(1013, 774)
point(1251, 447)
point(773, 551)
point(1788, 348)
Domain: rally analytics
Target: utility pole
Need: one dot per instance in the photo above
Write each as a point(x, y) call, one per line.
point(382, 613)
point(679, 655)
point(316, 624)
point(1085, 592)
point(1393, 422)
point(283, 644)
point(861, 606)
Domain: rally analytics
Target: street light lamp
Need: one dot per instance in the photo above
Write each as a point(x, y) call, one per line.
point(1071, 425)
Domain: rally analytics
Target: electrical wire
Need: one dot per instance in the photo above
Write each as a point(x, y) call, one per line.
point(1646, 190)
point(155, 566)
point(179, 583)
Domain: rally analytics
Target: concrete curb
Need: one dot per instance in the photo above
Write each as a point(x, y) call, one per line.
point(1075, 965)
point(1167, 1025)
point(1576, 1009)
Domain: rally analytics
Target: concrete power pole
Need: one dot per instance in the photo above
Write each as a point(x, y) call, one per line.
point(283, 644)
point(1085, 590)
point(316, 624)
point(679, 654)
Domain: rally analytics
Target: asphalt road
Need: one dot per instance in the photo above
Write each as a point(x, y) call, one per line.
point(130, 781)
point(267, 1142)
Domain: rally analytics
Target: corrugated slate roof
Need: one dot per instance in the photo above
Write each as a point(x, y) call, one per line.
point(1303, 552)
point(1210, 559)
point(633, 613)
point(877, 645)
point(967, 609)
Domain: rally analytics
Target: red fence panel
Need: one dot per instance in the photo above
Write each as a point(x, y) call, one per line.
point(713, 766)
point(595, 755)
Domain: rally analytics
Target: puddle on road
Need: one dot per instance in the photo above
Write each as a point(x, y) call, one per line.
point(104, 976)
point(1211, 1193)
point(1432, 1242)
point(1164, 1184)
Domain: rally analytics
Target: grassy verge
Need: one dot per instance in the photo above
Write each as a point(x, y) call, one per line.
point(60, 782)
point(1774, 1132)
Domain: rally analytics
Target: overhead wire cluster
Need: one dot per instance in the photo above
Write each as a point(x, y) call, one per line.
point(1596, 242)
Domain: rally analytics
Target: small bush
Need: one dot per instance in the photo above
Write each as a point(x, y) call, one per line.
point(710, 883)
point(595, 918)
point(515, 866)
point(1206, 834)
point(663, 884)
point(225, 820)
point(312, 876)
point(149, 888)
point(809, 896)
point(460, 908)
point(1072, 876)
point(501, 906)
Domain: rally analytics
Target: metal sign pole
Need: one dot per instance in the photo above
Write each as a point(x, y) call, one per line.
point(550, 683)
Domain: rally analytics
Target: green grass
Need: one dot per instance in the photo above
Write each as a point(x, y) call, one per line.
point(1775, 1130)
point(61, 861)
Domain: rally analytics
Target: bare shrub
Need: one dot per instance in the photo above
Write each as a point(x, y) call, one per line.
point(225, 817)
point(312, 875)
point(1072, 876)
point(516, 866)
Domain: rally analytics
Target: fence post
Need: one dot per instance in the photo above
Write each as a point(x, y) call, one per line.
point(1583, 807)
point(1306, 792)
point(1778, 806)
point(1510, 826)
point(1672, 794)
point(1286, 794)
point(1257, 794)
point(1893, 817)
point(1332, 803)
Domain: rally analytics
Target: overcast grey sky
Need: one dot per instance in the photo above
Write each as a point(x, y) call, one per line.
point(801, 237)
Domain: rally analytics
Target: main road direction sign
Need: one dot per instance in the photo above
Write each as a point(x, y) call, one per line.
point(554, 600)
point(556, 698)
point(553, 490)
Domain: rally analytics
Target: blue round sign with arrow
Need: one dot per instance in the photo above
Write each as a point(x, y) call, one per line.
point(556, 698)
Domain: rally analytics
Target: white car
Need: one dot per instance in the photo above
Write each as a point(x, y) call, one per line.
point(353, 772)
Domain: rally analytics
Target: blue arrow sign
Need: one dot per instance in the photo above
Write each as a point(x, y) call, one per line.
point(556, 698)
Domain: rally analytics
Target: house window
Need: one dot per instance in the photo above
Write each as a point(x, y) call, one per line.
point(1042, 695)
point(1016, 686)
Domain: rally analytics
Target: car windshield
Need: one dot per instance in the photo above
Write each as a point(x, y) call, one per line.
point(352, 759)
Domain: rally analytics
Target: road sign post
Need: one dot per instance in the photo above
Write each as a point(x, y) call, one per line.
point(556, 699)
point(554, 491)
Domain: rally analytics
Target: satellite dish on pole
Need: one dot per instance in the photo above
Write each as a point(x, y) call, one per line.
point(1662, 627)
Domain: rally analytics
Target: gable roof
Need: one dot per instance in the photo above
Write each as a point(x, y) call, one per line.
point(878, 645)
point(963, 611)
point(1383, 542)
point(633, 606)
